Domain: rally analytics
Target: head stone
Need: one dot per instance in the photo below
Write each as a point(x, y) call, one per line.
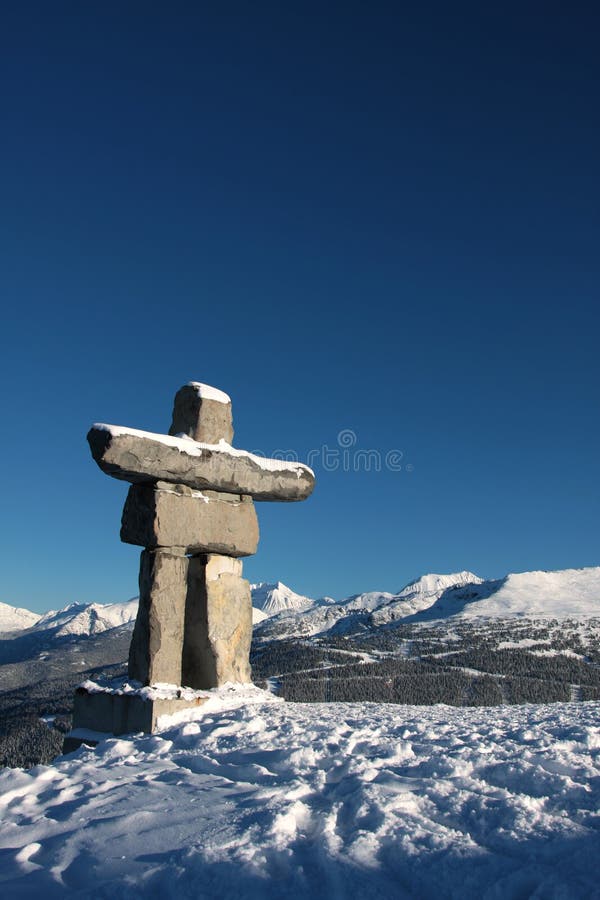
point(202, 413)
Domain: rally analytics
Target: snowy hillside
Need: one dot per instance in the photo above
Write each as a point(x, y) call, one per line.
point(561, 594)
point(259, 798)
point(12, 618)
point(258, 616)
point(569, 592)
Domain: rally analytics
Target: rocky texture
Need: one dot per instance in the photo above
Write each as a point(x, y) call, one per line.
point(113, 712)
point(192, 493)
point(198, 414)
point(141, 456)
point(194, 624)
point(218, 623)
point(156, 648)
point(175, 516)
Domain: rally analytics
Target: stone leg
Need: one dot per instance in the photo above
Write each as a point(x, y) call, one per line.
point(156, 648)
point(218, 623)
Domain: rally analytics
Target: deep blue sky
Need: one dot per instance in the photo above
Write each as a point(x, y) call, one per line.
point(373, 217)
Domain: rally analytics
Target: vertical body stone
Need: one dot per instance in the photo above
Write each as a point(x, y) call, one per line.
point(218, 623)
point(156, 650)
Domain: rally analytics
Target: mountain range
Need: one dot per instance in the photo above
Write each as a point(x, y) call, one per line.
point(279, 611)
point(567, 593)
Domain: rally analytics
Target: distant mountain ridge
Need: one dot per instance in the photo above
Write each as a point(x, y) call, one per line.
point(13, 618)
point(280, 611)
point(547, 595)
point(90, 618)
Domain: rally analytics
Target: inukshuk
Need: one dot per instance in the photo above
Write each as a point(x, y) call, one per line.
point(191, 507)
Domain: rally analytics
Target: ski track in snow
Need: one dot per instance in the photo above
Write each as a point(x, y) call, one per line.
point(258, 798)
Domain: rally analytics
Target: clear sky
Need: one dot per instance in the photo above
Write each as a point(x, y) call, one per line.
point(371, 218)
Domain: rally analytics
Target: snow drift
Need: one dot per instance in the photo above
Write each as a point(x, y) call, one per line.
point(257, 798)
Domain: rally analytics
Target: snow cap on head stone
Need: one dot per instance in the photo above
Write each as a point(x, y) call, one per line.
point(202, 413)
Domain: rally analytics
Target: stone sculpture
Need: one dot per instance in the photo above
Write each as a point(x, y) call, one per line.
point(191, 507)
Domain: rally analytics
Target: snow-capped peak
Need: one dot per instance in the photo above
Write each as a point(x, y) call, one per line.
point(417, 595)
point(277, 598)
point(14, 618)
point(434, 584)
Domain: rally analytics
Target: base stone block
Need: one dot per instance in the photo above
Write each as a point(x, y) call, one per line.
point(98, 714)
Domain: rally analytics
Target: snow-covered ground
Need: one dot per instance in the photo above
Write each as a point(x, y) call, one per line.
point(260, 798)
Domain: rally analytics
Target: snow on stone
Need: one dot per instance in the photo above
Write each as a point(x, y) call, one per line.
point(260, 798)
point(367, 601)
point(14, 618)
point(209, 393)
point(157, 691)
point(186, 444)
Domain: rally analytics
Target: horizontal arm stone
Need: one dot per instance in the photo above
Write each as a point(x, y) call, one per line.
point(141, 456)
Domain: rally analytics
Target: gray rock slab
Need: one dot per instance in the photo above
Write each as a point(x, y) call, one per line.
point(218, 625)
point(141, 456)
point(112, 713)
point(155, 654)
point(202, 413)
point(199, 522)
point(194, 622)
